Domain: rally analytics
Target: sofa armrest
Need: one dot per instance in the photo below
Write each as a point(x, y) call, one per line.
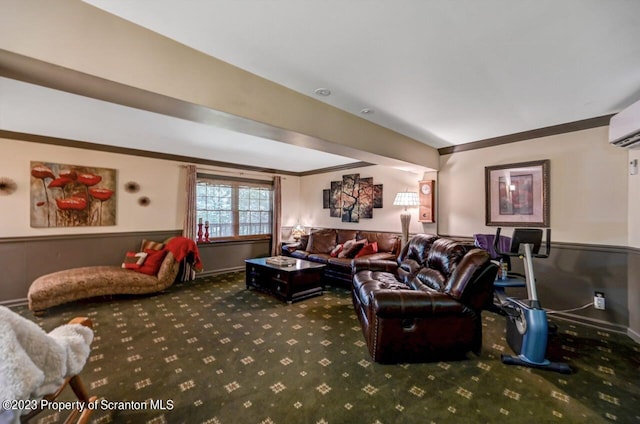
point(408, 304)
point(382, 265)
point(287, 249)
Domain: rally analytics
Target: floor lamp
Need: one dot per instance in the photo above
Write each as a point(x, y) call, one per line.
point(406, 199)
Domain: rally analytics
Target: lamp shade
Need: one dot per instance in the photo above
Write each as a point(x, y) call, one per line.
point(407, 198)
point(297, 232)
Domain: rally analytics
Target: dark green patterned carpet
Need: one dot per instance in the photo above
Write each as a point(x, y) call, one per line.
point(214, 352)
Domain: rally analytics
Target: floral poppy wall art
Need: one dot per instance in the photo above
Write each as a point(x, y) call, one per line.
point(72, 195)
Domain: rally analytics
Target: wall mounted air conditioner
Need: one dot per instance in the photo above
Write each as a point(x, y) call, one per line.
point(624, 127)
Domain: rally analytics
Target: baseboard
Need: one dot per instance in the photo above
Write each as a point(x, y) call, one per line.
point(634, 335)
point(595, 323)
point(14, 302)
point(219, 271)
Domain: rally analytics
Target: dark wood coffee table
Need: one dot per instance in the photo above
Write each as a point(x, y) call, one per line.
point(289, 283)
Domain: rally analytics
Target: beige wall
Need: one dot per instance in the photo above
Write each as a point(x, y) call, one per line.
point(386, 218)
point(161, 180)
point(589, 194)
point(594, 201)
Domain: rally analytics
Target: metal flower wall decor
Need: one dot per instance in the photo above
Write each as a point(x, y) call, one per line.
point(132, 187)
point(7, 186)
point(72, 195)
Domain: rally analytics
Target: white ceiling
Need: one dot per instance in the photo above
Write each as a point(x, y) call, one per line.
point(443, 72)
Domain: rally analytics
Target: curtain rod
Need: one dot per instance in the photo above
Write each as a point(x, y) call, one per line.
point(241, 173)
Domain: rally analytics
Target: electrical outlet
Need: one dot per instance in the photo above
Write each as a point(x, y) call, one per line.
point(598, 301)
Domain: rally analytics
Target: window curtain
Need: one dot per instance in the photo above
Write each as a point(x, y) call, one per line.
point(277, 217)
point(187, 272)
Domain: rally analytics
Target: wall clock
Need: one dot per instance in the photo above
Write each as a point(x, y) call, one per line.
point(426, 192)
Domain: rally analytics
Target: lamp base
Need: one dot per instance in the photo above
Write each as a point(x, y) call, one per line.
point(405, 219)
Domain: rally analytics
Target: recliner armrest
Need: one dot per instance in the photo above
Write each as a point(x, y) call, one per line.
point(472, 280)
point(408, 304)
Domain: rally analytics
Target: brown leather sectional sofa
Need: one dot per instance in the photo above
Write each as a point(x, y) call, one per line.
point(320, 243)
point(426, 305)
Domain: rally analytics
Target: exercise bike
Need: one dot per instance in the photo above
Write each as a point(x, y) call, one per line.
point(527, 326)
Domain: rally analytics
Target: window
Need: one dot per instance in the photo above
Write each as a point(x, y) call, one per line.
point(235, 208)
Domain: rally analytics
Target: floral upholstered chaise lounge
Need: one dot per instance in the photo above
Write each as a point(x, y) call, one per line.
point(86, 282)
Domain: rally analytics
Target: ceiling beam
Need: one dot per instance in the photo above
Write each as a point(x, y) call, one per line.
point(75, 46)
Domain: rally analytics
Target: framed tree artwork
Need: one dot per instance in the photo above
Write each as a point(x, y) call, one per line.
point(335, 199)
point(517, 194)
point(352, 199)
point(365, 198)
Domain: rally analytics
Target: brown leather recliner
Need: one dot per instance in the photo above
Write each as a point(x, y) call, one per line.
point(410, 260)
point(431, 314)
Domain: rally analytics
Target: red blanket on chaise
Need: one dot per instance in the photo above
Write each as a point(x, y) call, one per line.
point(181, 247)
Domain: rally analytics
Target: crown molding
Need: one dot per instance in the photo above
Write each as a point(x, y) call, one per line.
point(584, 124)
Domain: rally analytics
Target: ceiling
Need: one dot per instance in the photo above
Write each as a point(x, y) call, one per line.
point(442, 72)
point(73, 117)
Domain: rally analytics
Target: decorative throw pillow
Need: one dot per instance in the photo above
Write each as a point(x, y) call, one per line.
point(351, 248)
point(149, 244)
point(336, 251)
point(134, 260)
point(346, 247)
point(368, 249)
point(151, 265)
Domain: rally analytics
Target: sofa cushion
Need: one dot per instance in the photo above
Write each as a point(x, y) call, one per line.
point(351, 248)
point(429, 277)
point(345, 235)
point(366, 282)
point(368, 249)
point(321, 258)
point(343, 263)
point(444, 255)
point(387, 242)
point(322, 241)
point(418, 248)
point(379, 256)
